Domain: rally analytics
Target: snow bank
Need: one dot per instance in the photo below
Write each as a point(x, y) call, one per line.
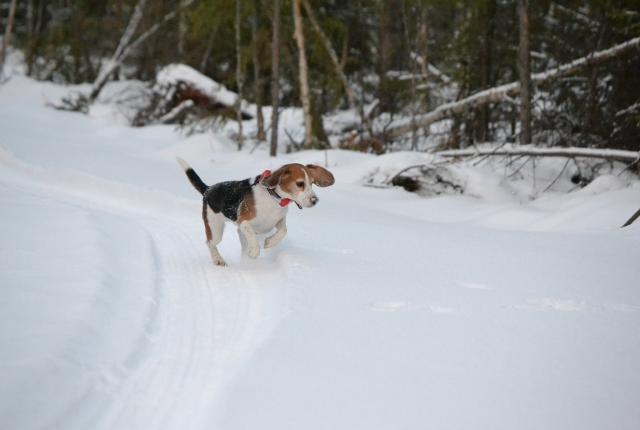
point(495, 179)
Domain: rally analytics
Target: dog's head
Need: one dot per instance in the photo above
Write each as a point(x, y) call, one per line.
point(295, 181)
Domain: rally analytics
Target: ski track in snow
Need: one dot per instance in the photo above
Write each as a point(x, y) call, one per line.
point(201, 323)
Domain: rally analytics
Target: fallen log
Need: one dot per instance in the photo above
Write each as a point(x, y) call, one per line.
point(627, 157)
point(504, 92)
point(180, 90)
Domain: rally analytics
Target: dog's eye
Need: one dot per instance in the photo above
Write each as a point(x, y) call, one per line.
point(300, 184)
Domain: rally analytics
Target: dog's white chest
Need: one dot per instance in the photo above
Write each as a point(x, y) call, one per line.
point(268, 211)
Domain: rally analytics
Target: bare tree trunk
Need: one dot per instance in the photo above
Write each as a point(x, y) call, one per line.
point(344, 54)
point(125, 47)
point(504, 92)
point(384, 48)
point(384, 53)
point(30, 19)
point(591, 122)
point(207, 51)
point(34, 34)
point(40, 17)
point(239, 76)
point(413, 71)
point(107, 69)
point(275, 78)
point(487, 17)
point(182, 32)
point(338, 67)
point(7, 35)
point(30, 36)
point(423, 44)
point(524, 70)
point(257, 81)
point(305, 96)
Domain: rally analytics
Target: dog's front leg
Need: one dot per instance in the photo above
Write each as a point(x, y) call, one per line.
point(275, 238)
point(253, 248)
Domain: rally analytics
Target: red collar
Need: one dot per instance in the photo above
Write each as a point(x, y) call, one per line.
point(264, 175)
point(282, 201)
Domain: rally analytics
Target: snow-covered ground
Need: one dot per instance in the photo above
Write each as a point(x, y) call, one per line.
point(380, 310)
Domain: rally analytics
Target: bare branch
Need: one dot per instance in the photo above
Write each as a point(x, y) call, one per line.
point(500, 93)
point(566, 163)
point(125, 47)
point(630, 221)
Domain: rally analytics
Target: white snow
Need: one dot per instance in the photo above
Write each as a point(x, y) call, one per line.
point(379, 310)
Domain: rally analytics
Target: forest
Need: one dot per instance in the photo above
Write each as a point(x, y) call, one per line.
point(422, 75)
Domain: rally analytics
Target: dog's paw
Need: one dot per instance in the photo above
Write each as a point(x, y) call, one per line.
point(219, 262)
point(270, 242)
point(275, 238)
point(253, 252)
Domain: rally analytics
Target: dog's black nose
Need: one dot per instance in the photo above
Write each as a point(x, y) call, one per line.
point(314, 200)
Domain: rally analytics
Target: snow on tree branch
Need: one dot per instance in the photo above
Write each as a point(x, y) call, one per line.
point(502, 92)
point(606, 154)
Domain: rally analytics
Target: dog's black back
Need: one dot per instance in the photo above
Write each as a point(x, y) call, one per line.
point(226, 197)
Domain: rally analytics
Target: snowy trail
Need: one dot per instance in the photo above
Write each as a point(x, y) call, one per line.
point(199, 326)
point(352, 326)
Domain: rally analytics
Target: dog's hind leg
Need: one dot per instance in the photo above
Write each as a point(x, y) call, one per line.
point(275, 238)
point(213, 227)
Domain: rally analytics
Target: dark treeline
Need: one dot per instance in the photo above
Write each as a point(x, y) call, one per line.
point(400, 57)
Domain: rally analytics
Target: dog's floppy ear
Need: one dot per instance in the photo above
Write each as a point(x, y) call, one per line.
point(319, 175)
point(274, 179)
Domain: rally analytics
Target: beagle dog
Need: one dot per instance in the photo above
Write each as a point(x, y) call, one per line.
point(256, 205)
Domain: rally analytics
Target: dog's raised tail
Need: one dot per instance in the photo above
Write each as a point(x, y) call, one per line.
point(195, 180)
